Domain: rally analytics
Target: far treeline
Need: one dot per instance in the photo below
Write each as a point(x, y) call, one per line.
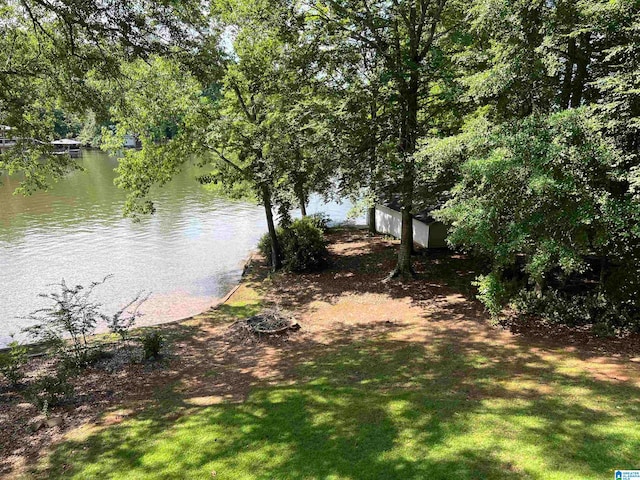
point(517, 122)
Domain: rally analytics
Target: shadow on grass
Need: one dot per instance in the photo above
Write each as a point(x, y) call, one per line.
point(374, 408)
point(454, 402)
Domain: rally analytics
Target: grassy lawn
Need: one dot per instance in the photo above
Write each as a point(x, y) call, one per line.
point(431, 399)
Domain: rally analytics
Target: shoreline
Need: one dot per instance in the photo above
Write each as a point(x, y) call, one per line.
point(217, 302)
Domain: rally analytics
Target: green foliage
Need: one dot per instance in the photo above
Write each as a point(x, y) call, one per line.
point(523, 116)
point(303, 246)
point(66, 125)
point(319, 220)
point(47, 53)
point(67, 325)
point(91, 132)
point(264, 245)
point(12, 362)
point(50, 390)
point(491, 292)
point(152, 344)
point(606, 317)
point(548, 190)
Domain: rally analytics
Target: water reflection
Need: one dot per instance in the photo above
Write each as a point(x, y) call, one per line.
point(188, 254)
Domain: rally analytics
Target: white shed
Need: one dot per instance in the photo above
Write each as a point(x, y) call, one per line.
point(6, 140)
point(131, 141)
point(427, 232)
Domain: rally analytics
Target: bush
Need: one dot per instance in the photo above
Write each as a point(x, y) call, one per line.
point(606, 317)
point(72, 316)
point(49, 391)
point(11, 362)
point(319, 220)
point(492, 292)
point(303, 246)
point(67, 325)
point(152, 344)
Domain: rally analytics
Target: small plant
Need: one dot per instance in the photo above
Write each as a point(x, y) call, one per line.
point(152, 344)
point(49, 391)
point(12, 361)
point(72, 316)
point(491, 292)
point(67, 325)
point(123, 320)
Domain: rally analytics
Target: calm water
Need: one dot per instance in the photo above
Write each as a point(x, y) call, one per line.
point(188, 254)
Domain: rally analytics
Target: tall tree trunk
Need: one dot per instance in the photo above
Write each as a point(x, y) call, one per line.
point(371, 219)
point(276, 262)
point(404, 268)
point(373, 158)
point(407, 149)
point(303, 201)
point(582, 70)
point(565, 94)
point(299, 184)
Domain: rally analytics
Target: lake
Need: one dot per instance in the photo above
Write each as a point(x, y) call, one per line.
point(188, 254)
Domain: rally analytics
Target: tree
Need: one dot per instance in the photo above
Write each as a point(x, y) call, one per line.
point(404, 35)
point(258, 125)
point(363, 125)
point(48, 48)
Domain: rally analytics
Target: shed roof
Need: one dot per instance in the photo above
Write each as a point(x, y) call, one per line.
point(423, 215)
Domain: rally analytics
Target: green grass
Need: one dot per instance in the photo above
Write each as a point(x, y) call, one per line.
point(382, 409)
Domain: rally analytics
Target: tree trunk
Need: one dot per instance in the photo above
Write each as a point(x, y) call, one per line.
point(403, 268)
point(565, 95)
point(303, 202)
point(603, 272)
point(276, 262)
point(373, 157)
point(407, 146)
point(371, 219)
point(582, 70)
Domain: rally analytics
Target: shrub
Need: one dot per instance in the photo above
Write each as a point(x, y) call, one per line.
point(12, 361)
point(302, 245)
point(595, 309)
point(49, 391)
point(67, 325)
point(152, 344)
point(319, 220)
point(72, 316)
point(491, 292)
